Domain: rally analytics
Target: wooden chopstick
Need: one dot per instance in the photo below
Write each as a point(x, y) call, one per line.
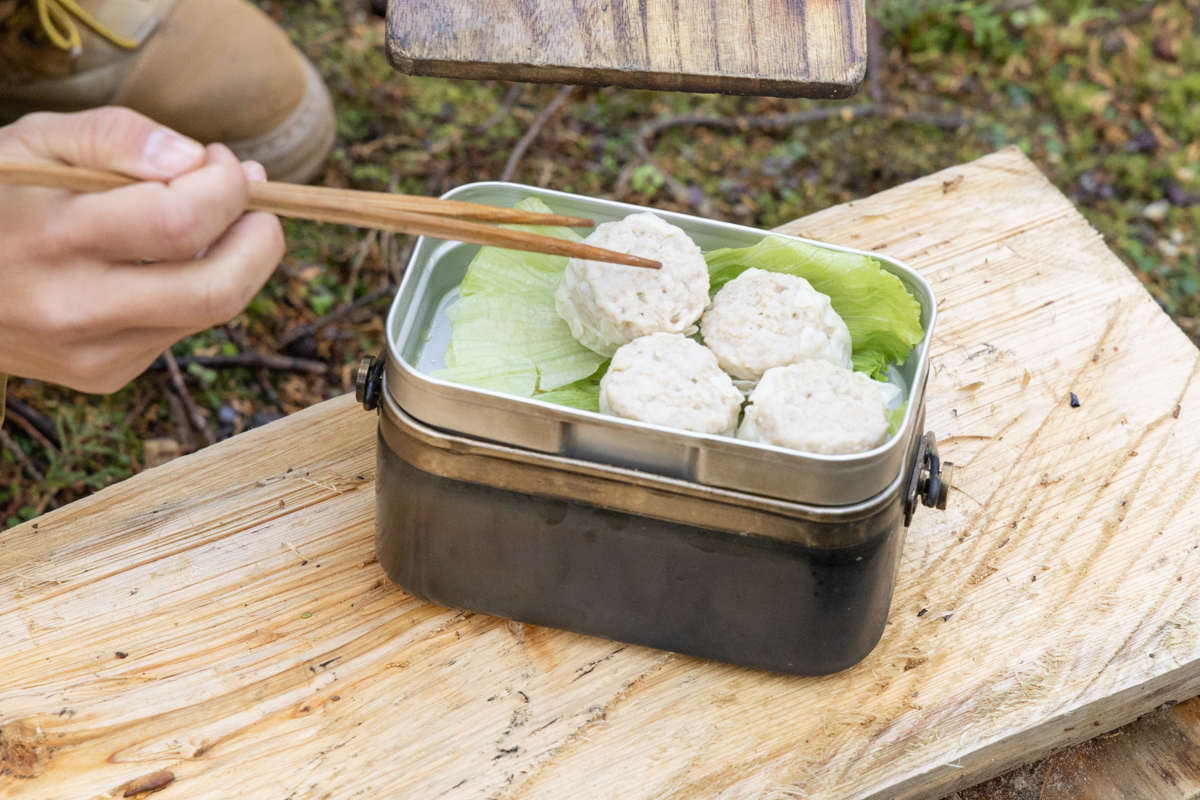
point(422, 216)
point(323, 197)
point(318, 197)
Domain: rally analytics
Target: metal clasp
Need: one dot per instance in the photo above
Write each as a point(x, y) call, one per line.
point(368, 387)
point(930, 481)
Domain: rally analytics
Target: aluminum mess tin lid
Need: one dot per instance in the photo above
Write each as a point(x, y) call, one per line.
point(419, 332)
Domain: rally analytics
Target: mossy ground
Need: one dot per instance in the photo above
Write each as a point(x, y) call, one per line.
point(1104, 97)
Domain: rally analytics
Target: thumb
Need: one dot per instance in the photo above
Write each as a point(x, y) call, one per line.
point(113, 139)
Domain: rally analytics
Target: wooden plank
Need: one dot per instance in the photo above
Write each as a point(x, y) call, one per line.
point(264, 649)
point(1155, 758)
point(815, 48)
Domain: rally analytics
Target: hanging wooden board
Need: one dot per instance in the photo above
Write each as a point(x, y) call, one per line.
point(784, 48)
point(222, 618)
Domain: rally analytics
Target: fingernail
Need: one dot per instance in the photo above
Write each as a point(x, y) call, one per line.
point(254, 171)
point(170, 154)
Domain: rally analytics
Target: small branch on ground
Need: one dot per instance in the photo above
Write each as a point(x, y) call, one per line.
point(237, 332)
point(387, 143)
point(649, 130)
point(393, 257)
point(387, 249)
point(435, 181)
point(36, 424)
point(179, 418)
point(300, 331)
point(684, 194)
point(360, 257)
point(20, 456)
point(264, 382)
point(1131, 17)
point(139, 407)
point(31, 431)
point(197, 419)
point(506, 104)
point(248, 360)
point(875, 58)
point(47, 501)
point(400, 262)
point(539, 122)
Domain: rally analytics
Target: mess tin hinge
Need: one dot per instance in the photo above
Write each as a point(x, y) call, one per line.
point(930, 481)
point(368, 387)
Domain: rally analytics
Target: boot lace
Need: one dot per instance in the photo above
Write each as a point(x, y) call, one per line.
point(59, 20)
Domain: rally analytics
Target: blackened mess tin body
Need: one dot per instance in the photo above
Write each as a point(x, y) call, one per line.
point(702, 545)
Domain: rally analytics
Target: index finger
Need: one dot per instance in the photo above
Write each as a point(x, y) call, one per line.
point(167, 221)
point(111, 139)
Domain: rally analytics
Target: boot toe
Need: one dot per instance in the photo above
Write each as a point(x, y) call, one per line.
point(294, 150)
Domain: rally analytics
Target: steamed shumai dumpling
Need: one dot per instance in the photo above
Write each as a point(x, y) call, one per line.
point(818, 408)
point(760, 320)
point(609, 305)
point(670, 380)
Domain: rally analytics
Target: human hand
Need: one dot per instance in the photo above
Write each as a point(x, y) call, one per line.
point(79, 304)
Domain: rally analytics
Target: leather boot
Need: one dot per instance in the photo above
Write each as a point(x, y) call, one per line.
point(215, 70)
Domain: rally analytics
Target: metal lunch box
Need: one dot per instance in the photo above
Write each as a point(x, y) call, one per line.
point(418, 333)
point(703, 545)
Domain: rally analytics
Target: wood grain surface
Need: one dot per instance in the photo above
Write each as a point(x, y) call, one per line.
point(221, 618)
point(787, 48)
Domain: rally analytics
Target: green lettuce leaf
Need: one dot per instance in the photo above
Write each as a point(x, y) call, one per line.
point(895, 418)
point(883, 317)
point(506, 335)
point(584, 394)
point(504, 332)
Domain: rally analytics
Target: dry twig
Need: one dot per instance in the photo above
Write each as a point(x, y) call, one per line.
point(179, 417)
point(364, 249)
point(387, 249)
point(506, 104)
point(683, 194)
point(648, 131)
point(248, 360)
point(139, 407)
point(197, 419)
point(539, 122)
point(300, 331)
point(20, 456)
point(1130, 17)
point(400, 262)
point(875, 58)
point(35, 423)
point(237, 332)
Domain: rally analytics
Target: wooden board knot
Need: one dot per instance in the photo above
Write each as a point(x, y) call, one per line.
point(148, 783)
point(23, 750)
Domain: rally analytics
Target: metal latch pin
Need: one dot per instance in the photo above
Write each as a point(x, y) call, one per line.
point(930, 481)
point(368, 384)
